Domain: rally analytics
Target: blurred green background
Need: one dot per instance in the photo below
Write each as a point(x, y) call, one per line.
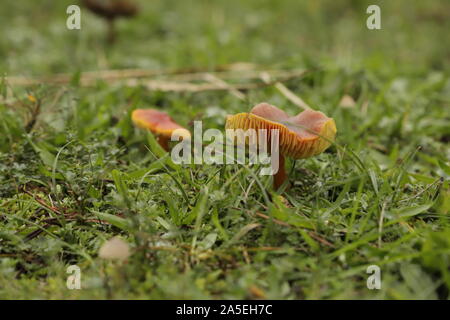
point(172, 34)
point(398, 77)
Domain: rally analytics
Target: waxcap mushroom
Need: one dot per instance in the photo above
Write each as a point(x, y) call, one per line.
point(305, 135)
point(160, 123)
point(302, 136)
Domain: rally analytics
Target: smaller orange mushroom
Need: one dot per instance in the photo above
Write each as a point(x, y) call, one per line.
point(158, 122)
point(305, 135)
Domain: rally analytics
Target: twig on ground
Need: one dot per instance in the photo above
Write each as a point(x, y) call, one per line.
point(42, 202)
point(173, 80)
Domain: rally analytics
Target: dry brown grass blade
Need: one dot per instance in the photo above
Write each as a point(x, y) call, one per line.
point(192, 87)
point(280, 75)
point(42, 202)
point(120, 74)
point(219, 82)
point(175, 80)
point(106, 75)
point(295, 99)
point(291, 96)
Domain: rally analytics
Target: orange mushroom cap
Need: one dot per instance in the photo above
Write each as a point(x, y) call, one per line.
point(307, 134)
point(157, 122)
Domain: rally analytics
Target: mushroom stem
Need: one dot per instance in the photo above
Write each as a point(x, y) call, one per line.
point(280, 176)
point(163, 142)
point(111, 31)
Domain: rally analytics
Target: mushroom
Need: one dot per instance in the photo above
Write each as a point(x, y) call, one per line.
point(114, 249)
point(111, 10)
point(305, 135)
point(158, 122)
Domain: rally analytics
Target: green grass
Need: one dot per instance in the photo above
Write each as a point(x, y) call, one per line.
point(379, 196)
